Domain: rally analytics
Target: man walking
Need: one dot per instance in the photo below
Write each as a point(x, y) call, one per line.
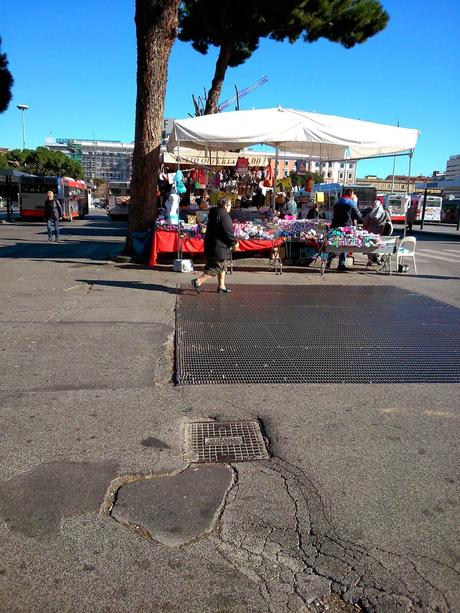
point(53, 212)
point(218, 242)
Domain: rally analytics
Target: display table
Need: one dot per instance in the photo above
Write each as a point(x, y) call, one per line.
point(168, 242)
point(385, 251)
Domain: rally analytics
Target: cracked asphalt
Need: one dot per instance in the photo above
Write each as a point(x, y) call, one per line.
point(356, 509)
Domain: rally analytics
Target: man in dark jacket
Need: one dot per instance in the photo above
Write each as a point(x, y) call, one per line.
point(345, 214)
point(53, 212)
point(218, 241)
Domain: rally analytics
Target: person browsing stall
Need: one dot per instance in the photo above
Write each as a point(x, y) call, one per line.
point(376, 221)
point(218, 242)
point(345, 213)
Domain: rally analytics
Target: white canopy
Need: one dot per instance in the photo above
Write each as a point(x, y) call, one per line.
point(327, 137)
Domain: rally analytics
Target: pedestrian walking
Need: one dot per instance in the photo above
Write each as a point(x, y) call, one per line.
point(53, 213)
point(411, 212)
point(218, 242)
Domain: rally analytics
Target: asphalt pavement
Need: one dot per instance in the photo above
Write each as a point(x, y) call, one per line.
point(356, 508)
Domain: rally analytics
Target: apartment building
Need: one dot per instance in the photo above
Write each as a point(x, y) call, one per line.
point(333, 172)
point(110, 160)
point(453, 167)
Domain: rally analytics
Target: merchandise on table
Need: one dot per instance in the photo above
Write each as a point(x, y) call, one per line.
point(297, 230)
point(353, 237)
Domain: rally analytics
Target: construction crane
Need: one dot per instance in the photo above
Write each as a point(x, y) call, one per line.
point(199, 103)
point(240, 94)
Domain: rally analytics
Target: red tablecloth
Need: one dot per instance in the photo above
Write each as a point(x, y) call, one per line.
point(166, 242)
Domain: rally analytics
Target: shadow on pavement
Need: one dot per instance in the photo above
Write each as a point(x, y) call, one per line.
point(153, 287)
point(91, 250)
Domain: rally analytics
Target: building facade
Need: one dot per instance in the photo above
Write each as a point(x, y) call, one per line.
point(333, 172)
point(390, 185)
point(110, 160)
point(106, 159)
point(453, 167)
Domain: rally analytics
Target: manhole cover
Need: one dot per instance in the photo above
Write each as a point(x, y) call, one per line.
point(230, 441)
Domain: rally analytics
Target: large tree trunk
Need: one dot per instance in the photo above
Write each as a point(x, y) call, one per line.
point(218, 80)
point(156, 31)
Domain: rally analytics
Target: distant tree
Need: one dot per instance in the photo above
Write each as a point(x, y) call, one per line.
point(6, 82)
point(302, 179)
point(156, 31)
point(98, 181)
point(4, 161)
point(43, 161)
point(236, 26)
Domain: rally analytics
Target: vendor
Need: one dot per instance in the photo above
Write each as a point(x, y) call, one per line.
point(313, 212)
point(291, 206)
point(280, 200)
point(204, 201)
point(345, 214)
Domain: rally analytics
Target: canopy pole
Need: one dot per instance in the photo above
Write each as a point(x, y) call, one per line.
point(274, 180)
point(179, 246)
point(423, 209)
point(407, 189)
point(410, 166)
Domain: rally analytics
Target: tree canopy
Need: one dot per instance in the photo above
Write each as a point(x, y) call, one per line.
point(43, 161)
point(300, 180)
point(6, 82)
point(236, 27)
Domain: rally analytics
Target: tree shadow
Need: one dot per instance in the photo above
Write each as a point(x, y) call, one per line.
point(153, 287)
point(88, 250)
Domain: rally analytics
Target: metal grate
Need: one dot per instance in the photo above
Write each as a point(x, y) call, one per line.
point(315, 334)
point(233, 441)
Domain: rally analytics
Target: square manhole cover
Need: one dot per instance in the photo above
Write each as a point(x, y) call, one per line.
point(219, 441)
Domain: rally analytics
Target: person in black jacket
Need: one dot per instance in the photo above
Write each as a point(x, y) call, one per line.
point(218, 242)
point(345, 214)
point(53, 212)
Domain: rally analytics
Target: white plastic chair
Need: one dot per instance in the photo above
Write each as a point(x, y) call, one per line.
point(406, 249)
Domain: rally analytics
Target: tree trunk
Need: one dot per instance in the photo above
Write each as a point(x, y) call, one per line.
point(218, 80)
point(156, 31)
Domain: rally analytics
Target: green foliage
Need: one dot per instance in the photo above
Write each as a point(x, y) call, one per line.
point(236, 26)
point(302, 179)
point(4, 161)
point(43, 161)
point(6, 82)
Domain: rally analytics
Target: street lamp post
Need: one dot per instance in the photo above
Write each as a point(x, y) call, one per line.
point(23, 108)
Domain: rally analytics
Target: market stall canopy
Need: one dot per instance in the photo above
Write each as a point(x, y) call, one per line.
point(314, 135)
point(214, 158)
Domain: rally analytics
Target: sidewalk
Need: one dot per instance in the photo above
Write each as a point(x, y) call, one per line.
point(355, 505)
point(442, 230)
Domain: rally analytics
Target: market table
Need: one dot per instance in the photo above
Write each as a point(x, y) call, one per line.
point(385, 251)
point(168, 242)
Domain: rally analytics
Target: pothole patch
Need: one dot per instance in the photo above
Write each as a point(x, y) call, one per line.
point(217, 441)
point(175, 509)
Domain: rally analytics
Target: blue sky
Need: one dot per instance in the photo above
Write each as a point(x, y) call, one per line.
point(74, 64)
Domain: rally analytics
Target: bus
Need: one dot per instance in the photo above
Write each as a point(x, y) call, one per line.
point(117, 199)
point(73, 194)
point(396, 204)
point(432, 209)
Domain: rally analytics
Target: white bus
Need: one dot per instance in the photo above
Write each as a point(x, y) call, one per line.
point(396, 206)
point(117, 199)
point(432, 209)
